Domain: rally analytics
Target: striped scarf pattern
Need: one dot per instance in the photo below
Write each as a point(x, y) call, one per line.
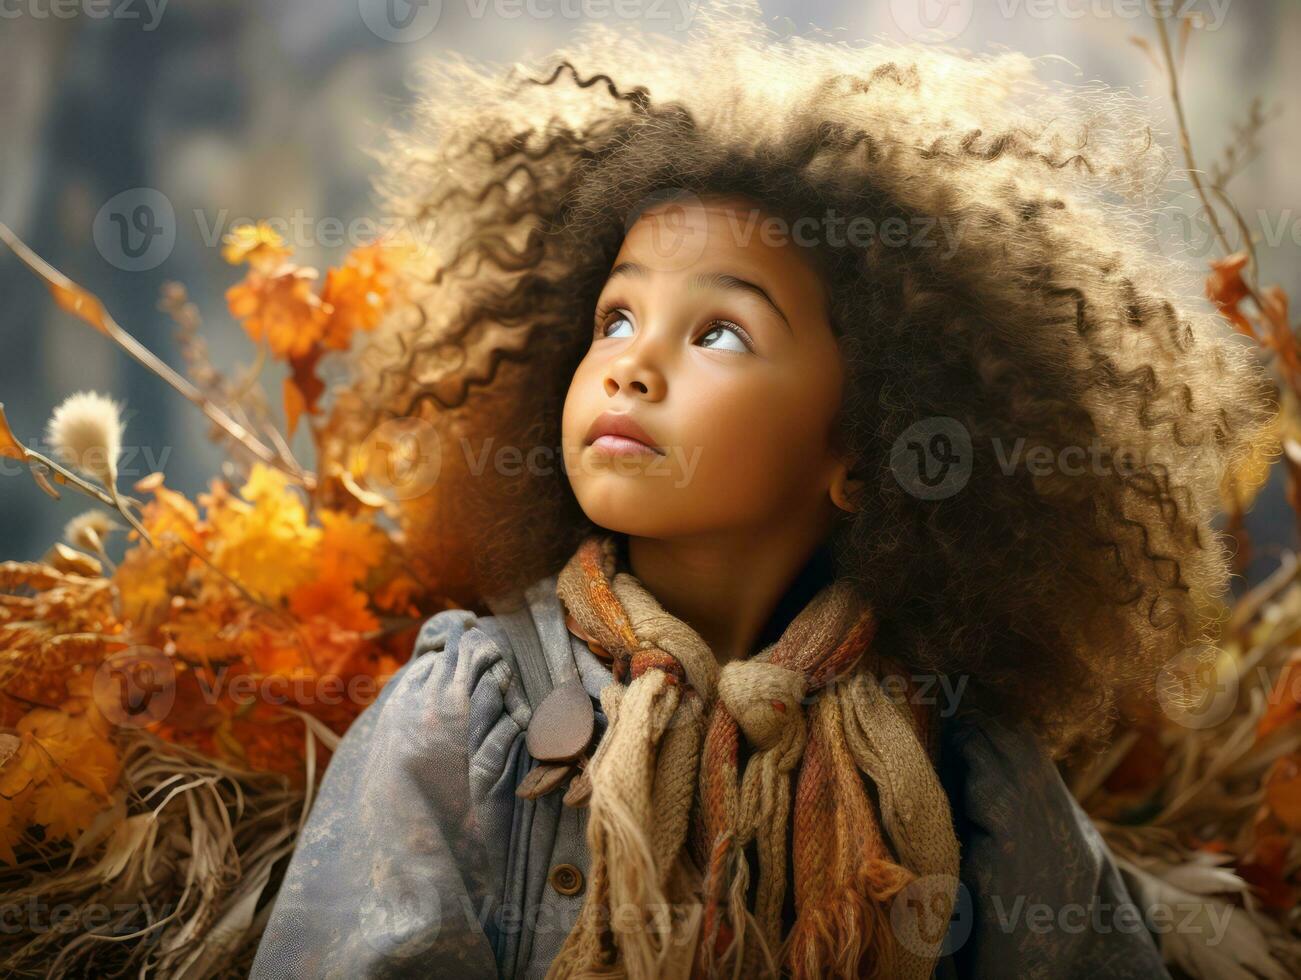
point(674, 815)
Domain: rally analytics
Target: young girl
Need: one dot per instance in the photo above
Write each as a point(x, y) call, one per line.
point(834, 456)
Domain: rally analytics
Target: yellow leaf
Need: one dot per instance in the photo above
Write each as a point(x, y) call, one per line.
point(259, 245)
point(22, 769)
point(82, 304)
point(350, 546)
point(9, 445)
point(67, 294)
point(64, 809)
point(12, 827)
point(1240, 484)
point(295, 405)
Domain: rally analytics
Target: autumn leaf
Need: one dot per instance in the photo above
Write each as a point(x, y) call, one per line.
point(303, 389)
point(259, 245)
point(1264, 867)
point(12, 826)
point(1226, 289)
point(67, 294)
point(1282, 705)
point(9, 445)
point(1140, 771)
point(1283, 790)
point(396, 594)
point(350, 546)
point(334, 599)
point(358, 291)
point(64, 808)
point(169, 512)
point(280, 308)
point(73, 746)
point(264, 541)
point(28, 766)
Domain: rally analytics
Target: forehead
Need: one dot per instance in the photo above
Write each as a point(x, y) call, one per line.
point(719, 231)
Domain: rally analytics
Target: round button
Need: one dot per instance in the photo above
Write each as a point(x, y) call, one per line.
point(566, 879)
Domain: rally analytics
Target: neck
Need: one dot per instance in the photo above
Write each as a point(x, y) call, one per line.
point(727, 587)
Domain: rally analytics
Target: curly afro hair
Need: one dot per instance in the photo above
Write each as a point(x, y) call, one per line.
point(1025, 307)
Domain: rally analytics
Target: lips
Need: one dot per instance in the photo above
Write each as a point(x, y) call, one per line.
point(622, 430)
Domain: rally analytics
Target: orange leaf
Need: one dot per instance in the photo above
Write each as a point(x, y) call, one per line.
point(1264, 867)
point(335, 600)
point(259, 245)
point(1283, 790)
point(1225, 288)
point(65, 809)
point(280, 308)
point(1284, 699)
point(359, 291)
point(295, 405)
point(12, 826)
point(303, 389)
point(350, 546)
point(1141, 769)
point(80, 303)
point(9, 444)
point(67, 294)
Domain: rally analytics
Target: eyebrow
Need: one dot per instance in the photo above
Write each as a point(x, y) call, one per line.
point(715, 280)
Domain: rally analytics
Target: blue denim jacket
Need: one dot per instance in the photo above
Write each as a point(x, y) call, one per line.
point(418, 860)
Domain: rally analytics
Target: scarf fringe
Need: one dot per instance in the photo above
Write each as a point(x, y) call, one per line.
point(634, 911)
point(655, 763)
point(748, 951)
point(836, 938)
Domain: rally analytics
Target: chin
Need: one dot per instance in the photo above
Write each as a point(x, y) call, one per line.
point(627, 504)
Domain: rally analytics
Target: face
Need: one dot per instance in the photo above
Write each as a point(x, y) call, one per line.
point(712, 339)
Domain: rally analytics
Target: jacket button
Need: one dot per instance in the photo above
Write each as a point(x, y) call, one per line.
point(566, 879)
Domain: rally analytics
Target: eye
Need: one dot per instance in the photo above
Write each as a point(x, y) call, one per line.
point(607, 327)
point(732, 337)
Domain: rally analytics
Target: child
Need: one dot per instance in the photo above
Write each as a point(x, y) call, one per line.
point(887, 460)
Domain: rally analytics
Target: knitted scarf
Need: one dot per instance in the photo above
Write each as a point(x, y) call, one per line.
point(674, 815)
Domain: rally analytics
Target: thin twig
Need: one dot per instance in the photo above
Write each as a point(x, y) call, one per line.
point(90, 309)
point(1186, 145)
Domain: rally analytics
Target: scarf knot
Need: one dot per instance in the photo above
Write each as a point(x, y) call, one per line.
point(673, 815)
point(766, 699)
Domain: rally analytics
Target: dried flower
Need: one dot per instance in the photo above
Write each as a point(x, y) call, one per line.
point(360, 290)
point(259, 245)
point(86, 431)
point(280, 308)
point(88, 530)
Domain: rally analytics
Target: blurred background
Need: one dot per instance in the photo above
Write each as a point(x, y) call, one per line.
point(211, 112)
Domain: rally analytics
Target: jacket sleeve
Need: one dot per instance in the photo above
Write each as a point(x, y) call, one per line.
point(1040, 893)
point(392, 873)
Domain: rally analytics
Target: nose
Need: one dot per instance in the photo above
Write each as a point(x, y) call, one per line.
point(631, 372)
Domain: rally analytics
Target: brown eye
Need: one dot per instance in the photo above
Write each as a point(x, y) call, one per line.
point(725, 336)
point(607, 327)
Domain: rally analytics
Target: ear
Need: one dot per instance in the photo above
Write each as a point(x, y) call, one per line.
point(846, 490)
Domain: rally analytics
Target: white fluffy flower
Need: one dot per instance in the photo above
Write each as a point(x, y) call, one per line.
point(89, 530)
point(86, 432)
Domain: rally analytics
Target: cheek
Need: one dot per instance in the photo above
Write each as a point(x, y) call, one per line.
point(758, 442)
point(577, 412)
